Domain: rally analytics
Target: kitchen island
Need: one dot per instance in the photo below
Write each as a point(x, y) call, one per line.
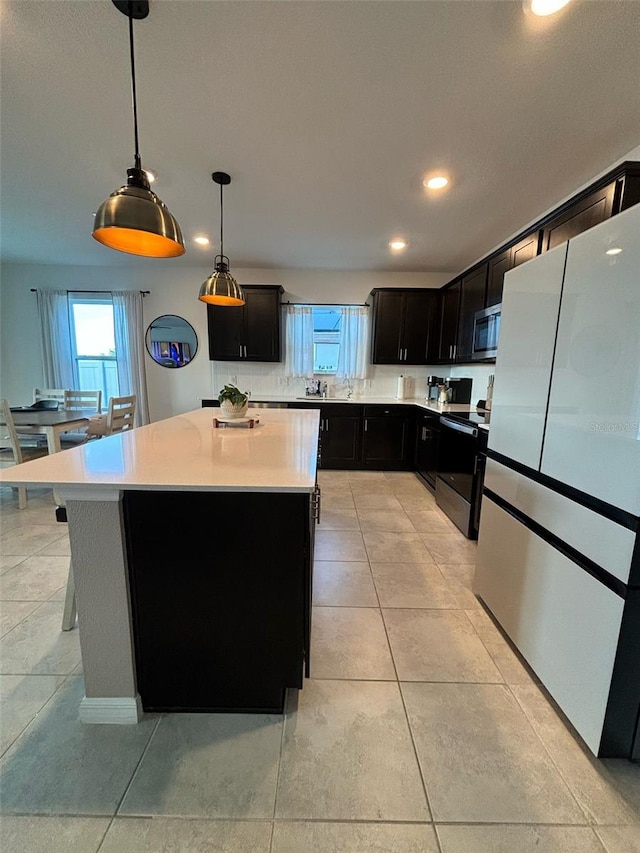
point(192, 554)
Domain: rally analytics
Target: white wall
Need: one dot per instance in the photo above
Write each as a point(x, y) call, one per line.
point(174, 290)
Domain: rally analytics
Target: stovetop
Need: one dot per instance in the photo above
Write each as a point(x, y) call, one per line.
point(477, 417)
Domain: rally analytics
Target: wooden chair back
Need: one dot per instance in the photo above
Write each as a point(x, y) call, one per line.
point(121, 413)
point(8, 434)
point(75, 400)
point(49, 394)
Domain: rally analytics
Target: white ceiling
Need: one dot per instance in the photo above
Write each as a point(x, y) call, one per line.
point(326, 114)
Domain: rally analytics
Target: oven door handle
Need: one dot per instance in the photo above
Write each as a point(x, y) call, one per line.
point(467, 429)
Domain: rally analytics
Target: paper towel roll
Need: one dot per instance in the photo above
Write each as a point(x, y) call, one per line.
point(400, 393)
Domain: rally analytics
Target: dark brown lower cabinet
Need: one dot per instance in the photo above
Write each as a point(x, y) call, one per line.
point(388, 438)
point(221, 613)
point(340, 435)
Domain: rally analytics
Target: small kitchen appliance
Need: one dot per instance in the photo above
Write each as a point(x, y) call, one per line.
point(432, 388)
point(459, 389)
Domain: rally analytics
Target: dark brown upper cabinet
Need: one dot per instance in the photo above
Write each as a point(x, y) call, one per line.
point(403, 322)
point(250, 332)
point(515, 255)
point(459, 299)
point(473, 289)
point(449, 307)
point(590, 211)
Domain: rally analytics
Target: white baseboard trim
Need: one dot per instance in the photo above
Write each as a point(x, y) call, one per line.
point(117, 710)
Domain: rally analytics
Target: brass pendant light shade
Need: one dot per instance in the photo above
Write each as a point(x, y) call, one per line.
point(221, 288)
point(133, 219)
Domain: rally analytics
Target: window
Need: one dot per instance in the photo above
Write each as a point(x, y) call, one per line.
point(326, 339)
point(93, 344)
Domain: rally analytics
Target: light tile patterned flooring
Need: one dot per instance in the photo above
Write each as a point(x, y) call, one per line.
point(420, 732)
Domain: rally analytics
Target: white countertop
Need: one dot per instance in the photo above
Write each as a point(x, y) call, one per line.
point(186, 453)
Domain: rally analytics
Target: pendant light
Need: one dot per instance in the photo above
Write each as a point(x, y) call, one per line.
point(221, 288)
point(133, 219)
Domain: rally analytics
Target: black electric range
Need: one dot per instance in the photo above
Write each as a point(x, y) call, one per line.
point(461, 459)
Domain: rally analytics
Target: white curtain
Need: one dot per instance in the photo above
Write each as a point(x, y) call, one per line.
point(55, 339)
point(129, 333)
point(353, 358)
point(299, 352)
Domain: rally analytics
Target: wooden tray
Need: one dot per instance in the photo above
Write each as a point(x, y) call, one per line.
point(248, 422)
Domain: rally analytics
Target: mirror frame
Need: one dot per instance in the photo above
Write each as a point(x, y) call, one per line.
point(148, 343)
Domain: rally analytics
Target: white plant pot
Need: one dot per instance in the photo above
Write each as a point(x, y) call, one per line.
point(231, 410)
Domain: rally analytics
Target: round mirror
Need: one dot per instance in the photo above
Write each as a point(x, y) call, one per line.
point(171, 341)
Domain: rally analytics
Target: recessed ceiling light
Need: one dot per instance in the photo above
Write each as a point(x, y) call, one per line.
point(436, 183)
point(201, 241)
point(151, 175)
point(398, 245)
point(615, 250)
point(542, 8)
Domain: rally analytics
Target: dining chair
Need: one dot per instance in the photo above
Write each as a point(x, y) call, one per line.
point(49, 394)
point(118, 418)
point(76, 400)
point(9, 442)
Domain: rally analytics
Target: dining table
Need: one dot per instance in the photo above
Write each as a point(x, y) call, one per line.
point(50, 423)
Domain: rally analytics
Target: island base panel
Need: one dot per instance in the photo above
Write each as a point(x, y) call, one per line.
point(220, 596)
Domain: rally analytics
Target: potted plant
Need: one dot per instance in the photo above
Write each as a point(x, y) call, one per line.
point(233, 402)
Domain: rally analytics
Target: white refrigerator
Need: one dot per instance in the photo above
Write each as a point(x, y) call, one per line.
point(558, 549)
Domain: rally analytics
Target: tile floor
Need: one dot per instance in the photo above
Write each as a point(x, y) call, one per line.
point(420, 732)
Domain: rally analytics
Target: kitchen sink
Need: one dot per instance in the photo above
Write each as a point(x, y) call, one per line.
point(314, 399)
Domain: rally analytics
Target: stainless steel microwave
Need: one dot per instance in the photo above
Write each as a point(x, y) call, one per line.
point(486, 330)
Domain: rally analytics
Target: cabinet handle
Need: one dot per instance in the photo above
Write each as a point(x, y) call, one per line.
point(455, 350)
point(400, 354)
point(315, 502)
point(450, 350)
point(245, 351)
point(424, 433)
point(240, 345)
point(327, 425)
point(366, 425)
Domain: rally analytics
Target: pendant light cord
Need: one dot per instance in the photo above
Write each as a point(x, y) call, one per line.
point(221, 218)
point(138, 163)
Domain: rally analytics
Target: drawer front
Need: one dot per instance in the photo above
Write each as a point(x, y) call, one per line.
point(564, 622)
point(608, 544)
point(391, 411)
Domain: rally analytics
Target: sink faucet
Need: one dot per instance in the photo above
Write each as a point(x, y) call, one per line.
point(324, 390)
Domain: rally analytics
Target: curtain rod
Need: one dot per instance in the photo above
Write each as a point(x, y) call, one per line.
point(331, 304)
point(143, 292)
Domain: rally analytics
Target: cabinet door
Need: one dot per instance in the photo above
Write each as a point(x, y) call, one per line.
point(591, 438)
point(472, 296)
point(417, 325)
point(340, 436)
point(498, 266)
point(525, 250)
point(450, 300)
point(387, 441)
point(262, 325)
point(522, 251)
point(530, 305)
point(388, 314)
point(427, 448)
point(585, 214)
point(225, 325)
